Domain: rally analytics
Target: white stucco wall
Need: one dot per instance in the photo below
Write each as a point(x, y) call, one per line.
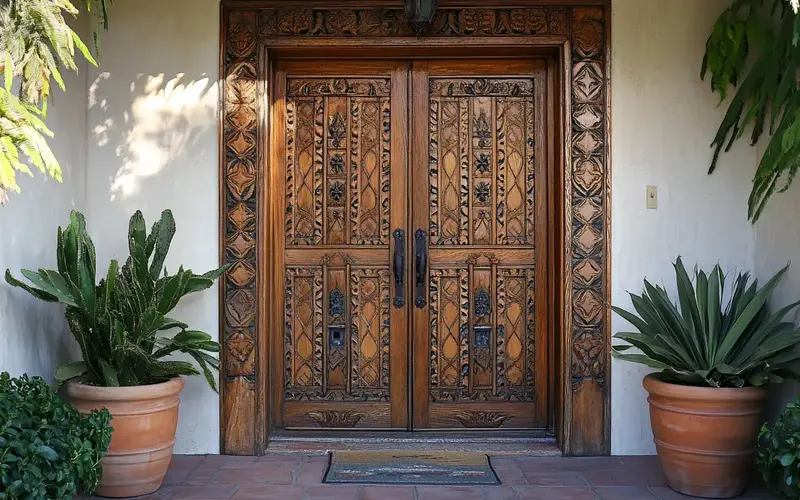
point(778, 242)
point(153, 145)
point(153, 139)
point(34, 337)
point(663, 120)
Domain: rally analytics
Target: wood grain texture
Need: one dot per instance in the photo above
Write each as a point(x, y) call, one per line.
point(344, 183)
point(581, 281)
point(483, 311)
point(239, 219)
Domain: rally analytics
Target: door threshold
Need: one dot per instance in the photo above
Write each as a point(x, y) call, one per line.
point(529, 443)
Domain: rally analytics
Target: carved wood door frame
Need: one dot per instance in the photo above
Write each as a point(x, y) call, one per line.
point(253, 32)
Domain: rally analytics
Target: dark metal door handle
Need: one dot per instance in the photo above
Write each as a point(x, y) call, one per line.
point(421, 266)
point(399, 266)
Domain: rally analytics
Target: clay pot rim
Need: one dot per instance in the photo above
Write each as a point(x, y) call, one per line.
point(76, 388)
point(654, 385)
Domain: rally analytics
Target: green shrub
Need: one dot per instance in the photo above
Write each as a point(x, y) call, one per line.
point(48, 450)
point(778, 453)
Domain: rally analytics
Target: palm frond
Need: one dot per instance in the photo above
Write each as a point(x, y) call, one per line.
point(767, 97)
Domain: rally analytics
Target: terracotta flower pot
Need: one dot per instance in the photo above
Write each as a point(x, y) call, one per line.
point(705, 436)
point(144, 419)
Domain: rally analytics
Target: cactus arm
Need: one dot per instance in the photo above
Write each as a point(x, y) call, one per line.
point(39, 294)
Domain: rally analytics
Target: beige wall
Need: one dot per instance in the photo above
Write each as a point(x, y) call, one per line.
point(34, 337)
point(152, 144)
point(663, 120)
point(778, 243)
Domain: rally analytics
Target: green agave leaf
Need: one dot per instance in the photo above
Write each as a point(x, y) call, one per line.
point(691, 313)
point(652, 347)
point(52, 283)
point(171, 369)
point(768, 328)
point(631, 318)
point(170, 323)
point(749, 310)
point(174, 290)
point(716, 282)
point(677, 331)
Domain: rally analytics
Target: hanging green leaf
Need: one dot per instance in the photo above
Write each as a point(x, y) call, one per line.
point(766, 89)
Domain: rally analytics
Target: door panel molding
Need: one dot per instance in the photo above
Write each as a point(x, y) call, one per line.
point(253, 32)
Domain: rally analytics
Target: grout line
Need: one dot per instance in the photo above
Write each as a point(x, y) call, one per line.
point(193, 469)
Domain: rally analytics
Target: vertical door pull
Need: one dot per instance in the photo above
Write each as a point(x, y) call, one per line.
point(421, 265)
point(399, 266)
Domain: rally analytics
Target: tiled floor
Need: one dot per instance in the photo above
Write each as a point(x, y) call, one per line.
point(296, 477)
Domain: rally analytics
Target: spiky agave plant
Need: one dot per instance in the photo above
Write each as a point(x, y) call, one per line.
point(701, 342)
point(121, 323)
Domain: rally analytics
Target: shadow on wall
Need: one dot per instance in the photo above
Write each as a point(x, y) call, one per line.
point(164, 127)
point(37, 332)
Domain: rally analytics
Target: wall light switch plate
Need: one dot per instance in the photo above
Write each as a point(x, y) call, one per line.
point(652, 197)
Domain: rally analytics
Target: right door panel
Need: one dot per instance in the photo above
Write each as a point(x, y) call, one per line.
point(480, 226)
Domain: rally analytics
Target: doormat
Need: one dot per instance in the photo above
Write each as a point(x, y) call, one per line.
point(410, 467)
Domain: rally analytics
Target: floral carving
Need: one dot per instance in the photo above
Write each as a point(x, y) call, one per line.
point(337, 191)
point(335, 418)
point(587, 32)
point(337, 164)
point(481, 419)
point(589, 357)
point(337, 130)
point(482, 163)
point(482, 192)
point(336, 303)
point(392, 22)
point(483, 304)
point(482, 131)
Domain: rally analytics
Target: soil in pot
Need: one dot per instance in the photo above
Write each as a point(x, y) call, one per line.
point(705, 436)
point(145, 419)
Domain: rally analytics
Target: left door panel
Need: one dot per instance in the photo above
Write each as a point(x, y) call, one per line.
point(339, 165)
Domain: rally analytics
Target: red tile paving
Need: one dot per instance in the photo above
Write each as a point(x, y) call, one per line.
point(295, 477)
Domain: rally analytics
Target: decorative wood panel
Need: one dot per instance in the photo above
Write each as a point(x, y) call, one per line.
point(482, 161)
point(586, 268)
point(588, 317)
point(337, 161)
point(472, 316)
point(392, 22)
point(320, 366)
point(239, 222)
point(369, 334)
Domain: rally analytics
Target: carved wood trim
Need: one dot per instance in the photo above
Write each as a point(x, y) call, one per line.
point(249, 27)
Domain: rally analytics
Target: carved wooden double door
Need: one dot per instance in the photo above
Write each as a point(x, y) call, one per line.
point(415, 244)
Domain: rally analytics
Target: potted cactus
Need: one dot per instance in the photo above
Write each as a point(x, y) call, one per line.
point(122, 326)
